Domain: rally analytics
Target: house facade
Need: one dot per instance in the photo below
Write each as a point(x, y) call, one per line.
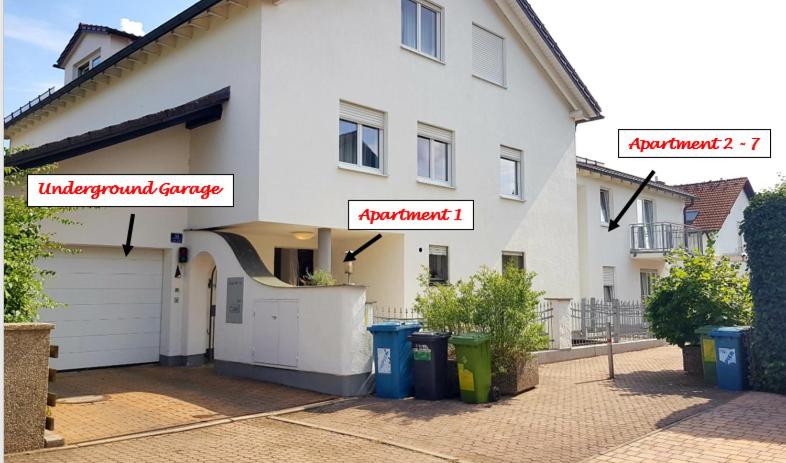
point(621, 263)
point(717, 210)
point(308, 104)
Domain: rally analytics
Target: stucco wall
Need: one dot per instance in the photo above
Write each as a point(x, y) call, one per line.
point(727, 240)
point(600, 248)
point(366, 64)
point(25, 379)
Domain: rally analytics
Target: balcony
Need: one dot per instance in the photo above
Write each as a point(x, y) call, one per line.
point(653, 240)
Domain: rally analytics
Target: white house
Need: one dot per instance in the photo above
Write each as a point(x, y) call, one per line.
point(308, 104)
point(716, 209)
point(620, 264)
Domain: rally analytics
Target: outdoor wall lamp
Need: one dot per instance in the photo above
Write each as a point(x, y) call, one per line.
point(349, 268)
point(303, 235)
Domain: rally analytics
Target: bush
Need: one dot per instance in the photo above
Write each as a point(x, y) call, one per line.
point(500, 304)
point(24, 245)
point(764, 228)
point(700, 289)
point(320, 278)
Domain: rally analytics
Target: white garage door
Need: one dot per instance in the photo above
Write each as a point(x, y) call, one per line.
point(113, 312)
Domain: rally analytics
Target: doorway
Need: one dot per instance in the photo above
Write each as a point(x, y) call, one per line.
point(293, 265)
point(212, 283)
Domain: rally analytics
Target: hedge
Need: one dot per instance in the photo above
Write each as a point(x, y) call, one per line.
point(764, 229)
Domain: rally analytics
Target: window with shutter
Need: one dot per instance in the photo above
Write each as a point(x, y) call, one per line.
point(488, 55)
point(361, 137)
point(608, 283)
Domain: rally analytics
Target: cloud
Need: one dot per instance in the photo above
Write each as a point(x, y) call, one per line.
point(132, 27)
point(35, 32)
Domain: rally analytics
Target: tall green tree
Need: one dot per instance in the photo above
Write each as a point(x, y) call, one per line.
point(25, 244)
point(764, 228)
point(700, 289)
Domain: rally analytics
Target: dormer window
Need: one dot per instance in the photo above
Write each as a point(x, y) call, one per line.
point(87, 65)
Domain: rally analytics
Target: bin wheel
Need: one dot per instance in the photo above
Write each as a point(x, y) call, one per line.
point(494, 393)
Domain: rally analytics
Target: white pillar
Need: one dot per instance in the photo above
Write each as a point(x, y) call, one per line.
point(324, 247)
point(561, 322)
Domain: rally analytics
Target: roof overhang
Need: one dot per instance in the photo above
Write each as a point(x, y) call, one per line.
point(193, 114)
point(83, 29)
point(584, 107)
point(597, 171)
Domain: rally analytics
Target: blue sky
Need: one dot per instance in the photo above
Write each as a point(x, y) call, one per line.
point(36, 31)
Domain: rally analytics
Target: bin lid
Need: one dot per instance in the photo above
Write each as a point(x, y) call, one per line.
point(429, 335)
point(393, 326)
point(706, 329)
point(730, 331)
point(469, 339)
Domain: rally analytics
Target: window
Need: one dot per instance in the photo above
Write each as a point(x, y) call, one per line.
point(690, 217)
point(488, 55)
point(421, 27)
point(605, 206)
point(360, 137)
point(513, 258)
point(510, 173)
point(438, 264)
point(95, 62)
point(608, 284)
point(646, 278)
point(82, 69)
point(435, 154)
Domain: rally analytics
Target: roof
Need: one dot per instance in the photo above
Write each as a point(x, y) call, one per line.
point(83, 28)
point(194, 114)
point(203, 5)
point(590, 165)
point(714, 200)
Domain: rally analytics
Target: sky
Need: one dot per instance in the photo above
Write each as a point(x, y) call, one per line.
point(650, 64)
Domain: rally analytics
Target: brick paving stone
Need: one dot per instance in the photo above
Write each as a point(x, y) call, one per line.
point(150, 397)
point(749, 428)
point(255, 440)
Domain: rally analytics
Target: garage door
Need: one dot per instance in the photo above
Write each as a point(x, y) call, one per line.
point(113, 312)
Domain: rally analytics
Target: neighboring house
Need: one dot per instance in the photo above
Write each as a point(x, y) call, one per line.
point(308, 104)
point(621, 264)
point(716, 209)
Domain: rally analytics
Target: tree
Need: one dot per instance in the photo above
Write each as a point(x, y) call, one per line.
point(700, 289)
point(25, 244)
point(764, 227)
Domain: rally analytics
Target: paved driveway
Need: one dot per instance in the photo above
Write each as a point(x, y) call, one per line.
point(150, 397)
point(574, 415)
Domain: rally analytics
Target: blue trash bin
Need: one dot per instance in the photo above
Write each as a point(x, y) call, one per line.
point(731, 351)
point(393, 358)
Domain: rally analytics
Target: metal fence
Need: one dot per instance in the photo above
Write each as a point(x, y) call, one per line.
point(391, 314)
point(546, 317)
point(590, 317)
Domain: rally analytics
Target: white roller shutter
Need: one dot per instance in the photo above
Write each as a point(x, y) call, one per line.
point(488, 55)
point(361, 114)
point(608, 276)
point(435, 133)
point(113, 312)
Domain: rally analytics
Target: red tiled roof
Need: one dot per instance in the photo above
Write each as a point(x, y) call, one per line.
point(714, 200)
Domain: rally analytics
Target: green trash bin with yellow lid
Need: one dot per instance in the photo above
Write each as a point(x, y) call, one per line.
point(708, 358)
point(473, 357)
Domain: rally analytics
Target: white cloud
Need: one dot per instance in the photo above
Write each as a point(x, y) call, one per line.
point(35, 32)
point(132, 27)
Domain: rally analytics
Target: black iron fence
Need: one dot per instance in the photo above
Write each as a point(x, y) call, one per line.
point(590, 319)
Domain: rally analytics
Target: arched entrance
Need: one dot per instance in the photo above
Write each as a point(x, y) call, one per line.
point(202, 296)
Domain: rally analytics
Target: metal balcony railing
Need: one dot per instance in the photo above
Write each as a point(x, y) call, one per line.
point(663, 237)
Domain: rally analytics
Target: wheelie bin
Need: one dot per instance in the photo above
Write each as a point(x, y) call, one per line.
point(708, 358)
point(731, 349)
point(473, 355)
point(393, 358)
point(429, 364)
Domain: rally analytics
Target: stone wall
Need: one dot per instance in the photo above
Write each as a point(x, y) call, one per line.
point(26, 384)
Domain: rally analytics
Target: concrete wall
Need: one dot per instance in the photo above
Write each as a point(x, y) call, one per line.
point(25, 379)
point(600, 248)
point(366, 64)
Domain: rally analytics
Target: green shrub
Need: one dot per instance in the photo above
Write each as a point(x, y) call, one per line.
point(700, 289)
point(764, 228)
point(24, 245)
point(500, 304)
point(320, 278)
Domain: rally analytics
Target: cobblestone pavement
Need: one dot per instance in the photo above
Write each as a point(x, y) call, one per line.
point(144, 398)
point(750, 428)
point(575, 414)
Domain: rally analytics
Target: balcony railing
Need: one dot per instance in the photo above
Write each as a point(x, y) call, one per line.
point(660, 237)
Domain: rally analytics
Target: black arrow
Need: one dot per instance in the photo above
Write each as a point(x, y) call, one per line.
point(615, 223)
point(127, 247)
point(351, 254)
